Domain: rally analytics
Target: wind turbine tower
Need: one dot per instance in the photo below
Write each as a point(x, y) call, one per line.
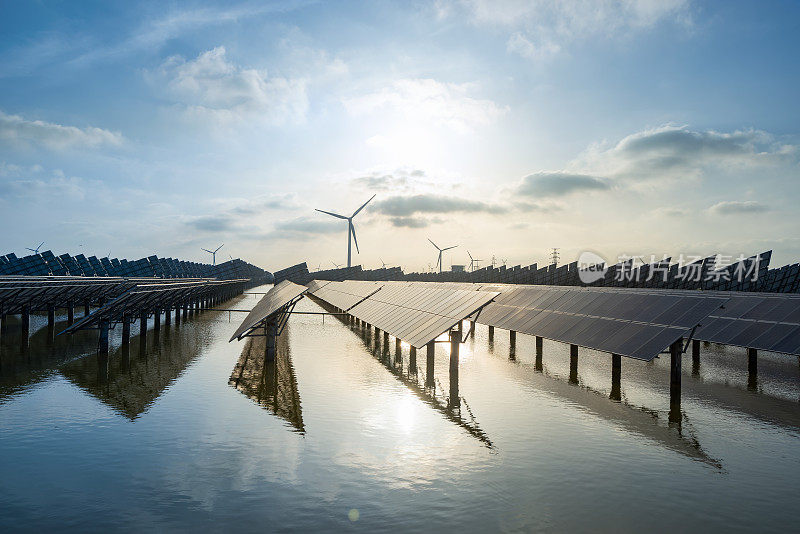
point(351, 230)
point(473, 263)
point(439, 261)
point(35, 250)
point(213, 253)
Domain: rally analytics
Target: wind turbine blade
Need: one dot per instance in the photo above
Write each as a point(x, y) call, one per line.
point(470, 256)
point(40, 246)
point(362, 207)
point(206, 250)
point(26, 248)
point(353, 231)
point(334, 214)
point(448, 248)
point(434, 244)
point(219, 247)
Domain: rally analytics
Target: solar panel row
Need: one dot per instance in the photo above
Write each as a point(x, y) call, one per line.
point(278, 299)
point(155, 295)
point(750, 274)
point(415, 313)
point(47, 263)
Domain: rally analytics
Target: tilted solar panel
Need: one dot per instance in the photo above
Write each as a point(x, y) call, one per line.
point(277, 299)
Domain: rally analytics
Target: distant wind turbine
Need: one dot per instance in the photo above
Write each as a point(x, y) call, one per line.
point(383, 263)
point(439, 261)
point(214, 253)
point(351, 230)
point(35, 250)
point(336, 264)
point(473, 263)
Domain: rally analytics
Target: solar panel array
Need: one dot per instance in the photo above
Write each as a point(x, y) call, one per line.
point(154, 295)
point(415, 313)
point(296, 273)
point(749, 274)
point(277, 300)
point(47, 263)
point(638, 324)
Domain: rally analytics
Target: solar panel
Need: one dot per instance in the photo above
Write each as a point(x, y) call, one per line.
point(277, 299)
point(638, 325)
point(755, 320)
point(412, 312)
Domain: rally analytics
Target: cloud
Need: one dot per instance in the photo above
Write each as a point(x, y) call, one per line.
point(413, 222)
point(406, 206)
point(677, 152)
point(306, 225)
point(213, 223)
point(29, 184)
point(738, 207)
point(15, 129)
point(398, 179)
point(210, 86)
point(559, 184)
point(543, 28)
point(429, 101)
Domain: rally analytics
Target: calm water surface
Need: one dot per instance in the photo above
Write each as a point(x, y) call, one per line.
point(196, 433)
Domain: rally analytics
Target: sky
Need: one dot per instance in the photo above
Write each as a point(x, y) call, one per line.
point(505, 127)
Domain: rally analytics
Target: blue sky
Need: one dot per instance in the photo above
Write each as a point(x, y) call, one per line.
point(506, 127)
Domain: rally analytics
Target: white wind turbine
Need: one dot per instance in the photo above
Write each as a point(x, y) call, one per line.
point(439, 261)
point(35, 250)
point(213, 253)
point(472, 262)
point(351, 230)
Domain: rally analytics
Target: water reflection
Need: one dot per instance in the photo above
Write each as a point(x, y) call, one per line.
point(637, 419)
point(134, 375)
point(270, 384)
point(21, 370)
point(424, 385)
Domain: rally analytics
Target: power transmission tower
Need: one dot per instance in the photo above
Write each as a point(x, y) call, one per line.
point(554, 257)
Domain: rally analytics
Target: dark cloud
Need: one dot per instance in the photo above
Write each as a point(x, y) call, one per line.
point(409, 222)
point(399, 179)
point(738, 207)
point(258, 205)
point(406, 206)
point(681, 142)
point(382, 182)
point(212, 223)
point(559, 184)
point(678, 150)
point(305, 225)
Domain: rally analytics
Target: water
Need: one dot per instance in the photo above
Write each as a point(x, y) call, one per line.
point(198, 433)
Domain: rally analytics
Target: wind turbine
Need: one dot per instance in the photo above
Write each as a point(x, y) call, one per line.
point(383, 263)
point(35, 250)
point(439, 261)
point(351, 230)
point(338, 266)
point(472, 262)
point(213, 253)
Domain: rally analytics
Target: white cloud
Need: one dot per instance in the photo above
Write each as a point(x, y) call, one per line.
point(17, 130)
point(542, 28)
point(32, 184)
point(558, 184)
point(211, 86)
point(429, 101)
point(679, 152)
point(738, 207)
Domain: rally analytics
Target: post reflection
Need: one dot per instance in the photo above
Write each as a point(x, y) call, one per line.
point(425, 387)
point(271, 384)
